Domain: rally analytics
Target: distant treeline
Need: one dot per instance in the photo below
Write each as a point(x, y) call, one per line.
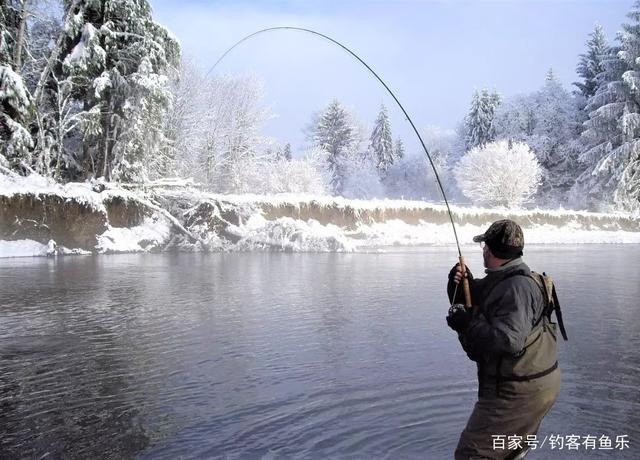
point(98, 89)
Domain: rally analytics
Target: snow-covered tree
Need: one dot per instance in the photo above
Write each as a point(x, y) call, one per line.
point(398, 150)
point(611, 153)
point(214, 125)
point(335, 131)
point(590, 64)
point(362, 179)
point(16, 143)
point(499, 174)
point(381, 142)
point(479, 120)
point(286, 151)
point(234, 116)
point(117, 58)
point(548, 120)
point(411, 178)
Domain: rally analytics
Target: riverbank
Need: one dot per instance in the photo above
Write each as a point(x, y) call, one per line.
point(39, 217)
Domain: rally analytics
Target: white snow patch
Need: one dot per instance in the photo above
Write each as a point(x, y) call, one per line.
point(153, 231)
point(22, 248)
point(289, 234)
point(31, 248)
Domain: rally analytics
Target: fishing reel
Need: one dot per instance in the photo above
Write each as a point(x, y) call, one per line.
point(459, 317)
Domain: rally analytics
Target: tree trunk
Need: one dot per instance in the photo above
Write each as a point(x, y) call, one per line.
point(17, 59)
point(53, 57)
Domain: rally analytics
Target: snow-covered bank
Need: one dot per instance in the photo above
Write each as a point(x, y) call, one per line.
point(99, 218)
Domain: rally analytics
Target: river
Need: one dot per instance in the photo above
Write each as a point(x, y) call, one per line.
point(282, 355)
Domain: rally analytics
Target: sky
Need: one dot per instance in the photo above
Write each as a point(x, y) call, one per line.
point(431, 54)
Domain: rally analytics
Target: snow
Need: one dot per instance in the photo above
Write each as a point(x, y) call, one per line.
point(291, 235)
point(374, 224)
point(152, 232)
point(35, 184)
point(30, 248)
point(22, 248)
point(13, 90)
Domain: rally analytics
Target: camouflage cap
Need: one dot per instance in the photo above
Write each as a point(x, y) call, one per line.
point(504, 238)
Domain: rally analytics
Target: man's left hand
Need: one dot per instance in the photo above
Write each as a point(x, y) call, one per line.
point(459, 318)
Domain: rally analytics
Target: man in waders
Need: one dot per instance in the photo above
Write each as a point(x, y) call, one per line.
point(513, 342)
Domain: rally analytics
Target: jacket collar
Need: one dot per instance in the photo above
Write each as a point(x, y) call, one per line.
point(508, 266)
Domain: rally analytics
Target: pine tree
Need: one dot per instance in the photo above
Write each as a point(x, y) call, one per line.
point(399, 149)
point(16, 143)
point(117, 56)
point(335, 133)
point(591, 62)
point(611, 153)
point(479, 122)
point(556, 128)
point(381, 143)
point(287, 151)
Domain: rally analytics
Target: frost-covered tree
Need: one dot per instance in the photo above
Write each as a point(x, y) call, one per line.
point(264, 175)
point(214, 127)
point(479, 121)
point(16, 143)
point(286, 151)
point(398, 150)
point(362, 178)
point(612, 136)
point(411, 178)
point(117, 58)
point(234, 116)
point(336, 132)
point(548, 120)
point(590, 64)
point(499, 174)
point(381, 142)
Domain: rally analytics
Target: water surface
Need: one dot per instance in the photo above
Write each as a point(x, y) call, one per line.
point(271, 355)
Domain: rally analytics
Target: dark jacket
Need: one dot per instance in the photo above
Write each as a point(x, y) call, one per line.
point(510, 339)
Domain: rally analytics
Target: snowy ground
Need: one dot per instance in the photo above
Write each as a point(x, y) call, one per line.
point(289, 234)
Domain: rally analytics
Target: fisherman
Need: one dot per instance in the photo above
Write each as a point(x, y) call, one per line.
point(513, 342)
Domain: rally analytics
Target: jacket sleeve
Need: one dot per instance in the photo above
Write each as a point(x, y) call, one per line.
point(504, 326)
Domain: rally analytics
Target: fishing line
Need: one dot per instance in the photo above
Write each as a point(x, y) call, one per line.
point(300, 29)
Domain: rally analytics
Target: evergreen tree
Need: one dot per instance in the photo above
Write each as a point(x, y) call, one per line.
point(479, 122)
point(590, 64)
point(116, 58)
point(611, 152)
point(381, 143)
point(399, 149)
point(556, 128)
point(335, 133)
point(287, 151)
point(16, 143)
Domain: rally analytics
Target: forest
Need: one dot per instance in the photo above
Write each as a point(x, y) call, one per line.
point(97, 90)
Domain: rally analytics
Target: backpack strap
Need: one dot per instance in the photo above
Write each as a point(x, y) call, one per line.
point(556, 307)
point(548, 289)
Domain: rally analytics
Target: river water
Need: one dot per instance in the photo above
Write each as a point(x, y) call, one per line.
point(280, 355)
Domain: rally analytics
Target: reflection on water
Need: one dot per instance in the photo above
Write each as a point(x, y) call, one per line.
point(286, 355)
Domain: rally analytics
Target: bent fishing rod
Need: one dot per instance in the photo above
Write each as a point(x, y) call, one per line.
point(465, 281)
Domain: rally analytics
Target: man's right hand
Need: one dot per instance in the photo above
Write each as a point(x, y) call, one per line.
point(457, 273)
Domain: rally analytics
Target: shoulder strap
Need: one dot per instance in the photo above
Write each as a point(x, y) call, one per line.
point(545, 283)
point(556, 307)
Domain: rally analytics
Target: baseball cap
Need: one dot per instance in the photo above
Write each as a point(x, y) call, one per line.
point(504, 238)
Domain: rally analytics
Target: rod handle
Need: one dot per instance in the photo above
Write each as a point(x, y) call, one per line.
point(465, 283)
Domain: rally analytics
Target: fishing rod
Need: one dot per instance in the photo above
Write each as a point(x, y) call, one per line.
point(465, 281)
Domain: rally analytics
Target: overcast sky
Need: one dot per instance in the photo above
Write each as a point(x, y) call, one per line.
point(432, 54)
